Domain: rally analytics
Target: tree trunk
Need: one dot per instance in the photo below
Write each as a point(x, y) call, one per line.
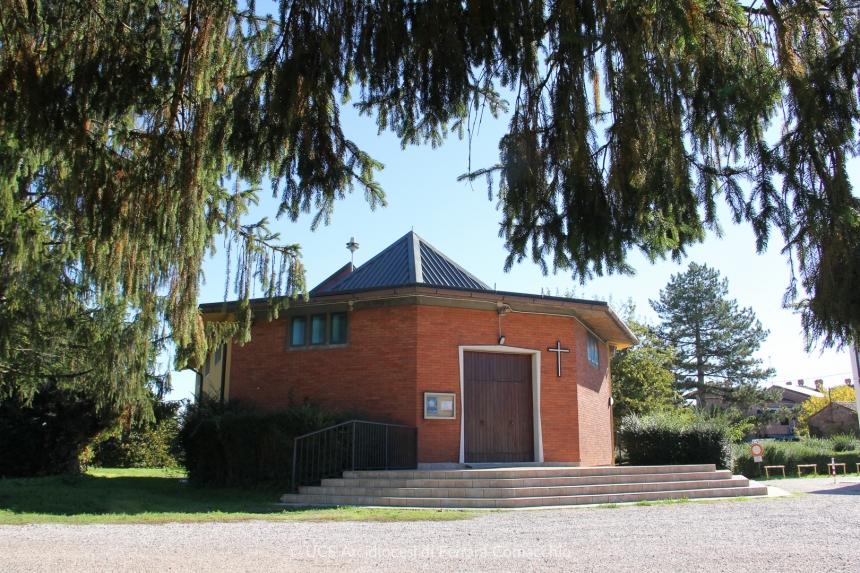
point(701, 391)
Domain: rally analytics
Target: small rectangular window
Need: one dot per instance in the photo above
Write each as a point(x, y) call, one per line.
point(218, 355)
point(297, 333)
point(338, 328)
point(593, 350)
point(318, 329)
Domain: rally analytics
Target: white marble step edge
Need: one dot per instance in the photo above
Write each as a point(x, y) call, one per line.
point(552, 491)
point(526, 472)
point(503, 503)
point(525, 482)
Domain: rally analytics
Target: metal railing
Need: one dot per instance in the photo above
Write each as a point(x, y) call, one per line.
point(351, 446)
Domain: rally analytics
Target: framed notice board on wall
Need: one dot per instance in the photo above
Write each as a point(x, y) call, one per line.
point(440, 405)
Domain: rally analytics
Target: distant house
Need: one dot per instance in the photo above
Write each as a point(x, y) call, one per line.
point(835, 418)
point(792, 395)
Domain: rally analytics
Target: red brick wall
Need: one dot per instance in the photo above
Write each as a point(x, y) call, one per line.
point(376, 372)
point(834, 419)
point(443, 330)
point(396, 354)
point(559, 420)
point(595, 414)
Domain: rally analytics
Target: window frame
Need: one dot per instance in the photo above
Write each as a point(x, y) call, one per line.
point(292, 330)
point(345, 340)
point(308, 318)
point(589, 340)
point(310, 323)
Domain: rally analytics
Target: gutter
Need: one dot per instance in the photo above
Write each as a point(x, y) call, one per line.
point(438, 292)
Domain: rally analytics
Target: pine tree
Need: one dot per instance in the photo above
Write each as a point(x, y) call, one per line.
point(714, 341)
point(143, 129)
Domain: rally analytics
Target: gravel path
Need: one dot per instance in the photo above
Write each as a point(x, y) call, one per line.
point(813, 532)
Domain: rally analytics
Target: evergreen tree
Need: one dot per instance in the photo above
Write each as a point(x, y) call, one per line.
point(714, 341)
point(70, 361)
point(144, 128)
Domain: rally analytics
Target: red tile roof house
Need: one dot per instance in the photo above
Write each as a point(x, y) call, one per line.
point(835, 418)
point(412, 337)
point(792, 395)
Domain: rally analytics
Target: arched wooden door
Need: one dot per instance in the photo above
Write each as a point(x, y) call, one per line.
point(498, 420)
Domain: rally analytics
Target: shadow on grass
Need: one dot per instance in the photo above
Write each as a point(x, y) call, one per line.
point(129, 495)
point(159, 496)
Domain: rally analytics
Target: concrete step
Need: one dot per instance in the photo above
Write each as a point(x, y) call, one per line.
point(519, 502)
point(507, 492)
point(526, 482)
point(530, 486)
point(527, 472)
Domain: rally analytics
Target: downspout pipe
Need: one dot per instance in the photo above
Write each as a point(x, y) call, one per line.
point(223, 371)
point(198, 382)
point(855, 372)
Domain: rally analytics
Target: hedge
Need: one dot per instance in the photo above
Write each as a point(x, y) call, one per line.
point(149, 445)
point(47, 436)
point(790, 454)
point(236, 446)
point(673, 439)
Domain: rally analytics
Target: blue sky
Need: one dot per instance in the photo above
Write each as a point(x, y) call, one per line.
point(423, 193)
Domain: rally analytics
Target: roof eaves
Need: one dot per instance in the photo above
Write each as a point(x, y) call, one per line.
point(621, 325)
point(505, 295)
point(500, 296)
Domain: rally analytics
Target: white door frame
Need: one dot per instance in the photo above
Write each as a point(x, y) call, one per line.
point(538, 437)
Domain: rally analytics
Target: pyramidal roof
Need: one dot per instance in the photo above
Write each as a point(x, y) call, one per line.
point(409, 260)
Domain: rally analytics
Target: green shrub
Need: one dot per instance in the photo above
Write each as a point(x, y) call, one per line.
point(232, 445)
point(47, 436)
point(790, 454)
point(148, 445)
point(676, 438)
point(845, 443)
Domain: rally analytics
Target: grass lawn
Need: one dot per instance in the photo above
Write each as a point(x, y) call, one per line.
point(160, 496)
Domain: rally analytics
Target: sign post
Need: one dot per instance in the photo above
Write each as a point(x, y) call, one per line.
point(757, 451)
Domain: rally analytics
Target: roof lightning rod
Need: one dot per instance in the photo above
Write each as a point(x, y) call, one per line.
point(352, 245)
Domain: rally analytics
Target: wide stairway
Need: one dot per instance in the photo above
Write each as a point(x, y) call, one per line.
point(514, 487)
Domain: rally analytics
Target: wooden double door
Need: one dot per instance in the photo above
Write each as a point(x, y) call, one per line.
point(498, 417)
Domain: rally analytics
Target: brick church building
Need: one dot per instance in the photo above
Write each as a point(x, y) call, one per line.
point(412, 337)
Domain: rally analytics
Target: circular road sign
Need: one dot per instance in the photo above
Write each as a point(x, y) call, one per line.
point(756, 450)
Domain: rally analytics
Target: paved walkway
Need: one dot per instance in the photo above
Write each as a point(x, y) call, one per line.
point(816, 531)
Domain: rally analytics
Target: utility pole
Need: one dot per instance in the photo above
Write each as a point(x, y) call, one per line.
point(855, 375)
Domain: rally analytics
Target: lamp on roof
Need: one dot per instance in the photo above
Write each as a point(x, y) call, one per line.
point(352, 245)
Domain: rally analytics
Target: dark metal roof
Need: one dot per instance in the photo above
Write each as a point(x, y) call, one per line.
point(409, 260)
point(412, 265)
point(333, 278)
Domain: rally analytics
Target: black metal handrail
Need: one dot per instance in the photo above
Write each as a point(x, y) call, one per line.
point(351, 446)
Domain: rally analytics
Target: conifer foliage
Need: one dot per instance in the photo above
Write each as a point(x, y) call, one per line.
point(139, 131)
point(714, 341)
